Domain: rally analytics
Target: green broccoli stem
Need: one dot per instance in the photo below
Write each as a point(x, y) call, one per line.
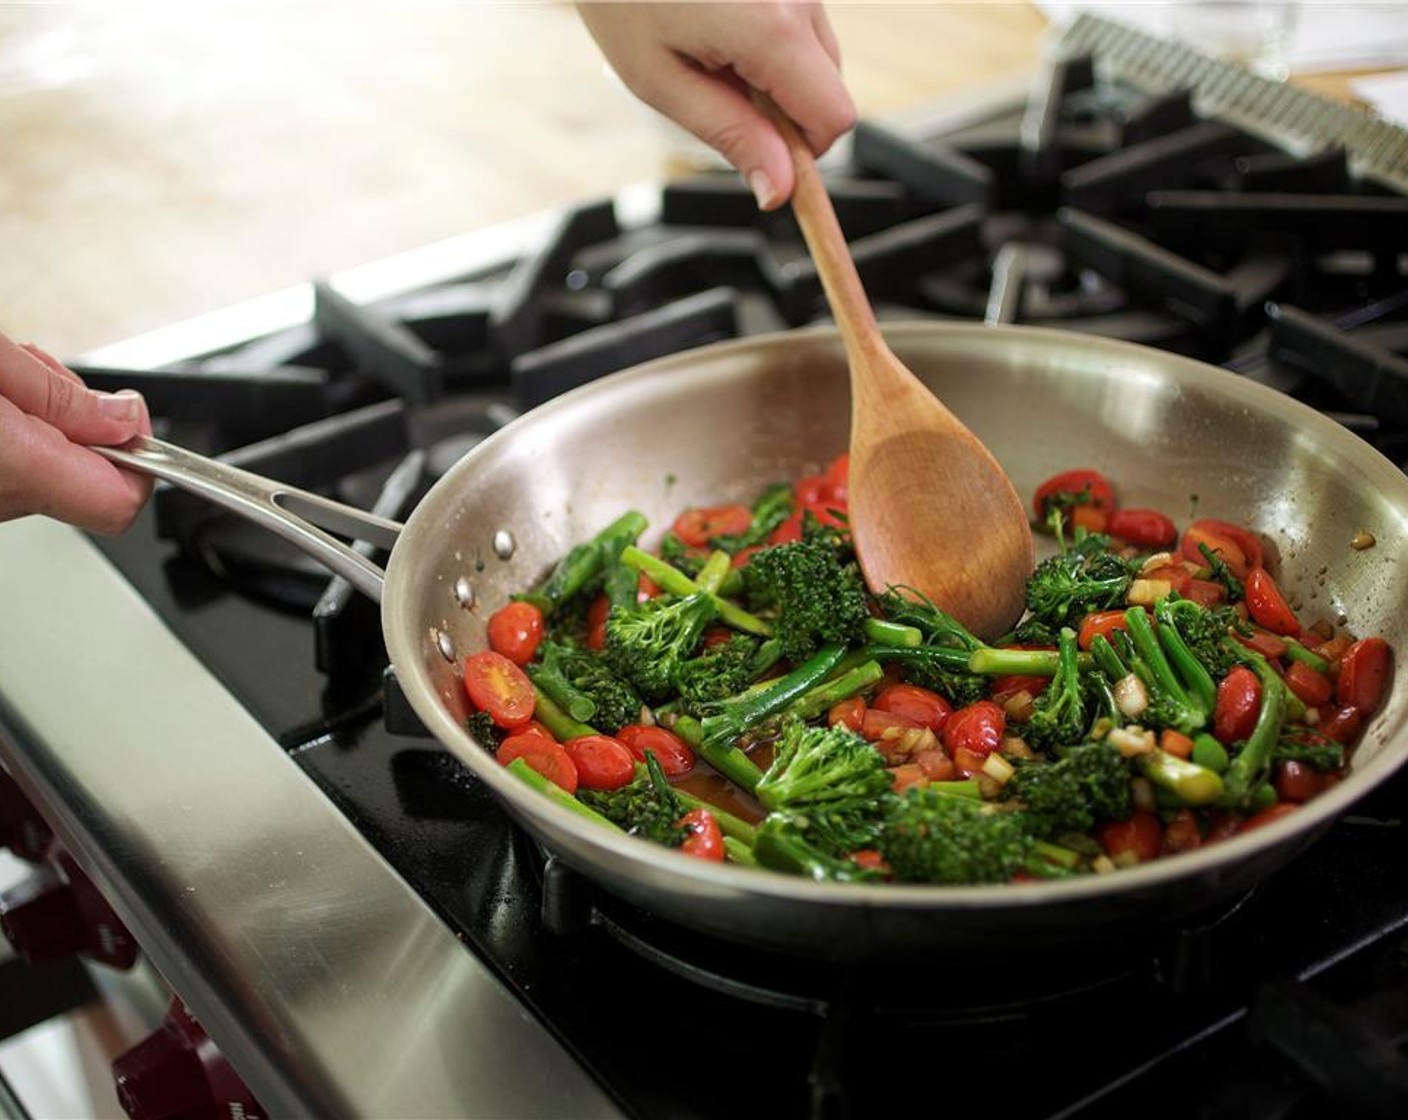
point(585, 561)
point(1252, 763)
point(1191, 715)
point(1107, 660)
point(671, 579)
point(1297, 652)
point(711, 575)
point(550, 681)
point(1190, 782)
point(992, 662)
point(1185, 663)
point(736, 717)
point(739, 852)
point(884, 633)
point(520, 769)
point(1047, 852)
point(961, 787)
point(820, 699)
point(729, 825)
point(562, 725)
point(726, 758)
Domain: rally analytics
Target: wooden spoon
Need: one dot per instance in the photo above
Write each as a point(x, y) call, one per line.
point(930, 507)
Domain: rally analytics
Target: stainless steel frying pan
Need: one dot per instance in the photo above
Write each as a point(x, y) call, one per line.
point(716, 424)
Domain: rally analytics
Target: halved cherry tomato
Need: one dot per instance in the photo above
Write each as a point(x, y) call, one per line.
point(698, 526)
point(1004, 688)
point(1146, 528)
point(1312, 686)
point(810, 489)
point(1298, 781)
point(937, 766)
point(705, 839)
point(1178, 577)
point(743, 555)
point(1081, 487)
point(676, 757)
point(848, 713)
point(907, 774)
point(1266, 604)
point(1238, 704)
point(1240, 549)
point(1364, 669)
point(829, 513)
point(515, 631)
point(790, 530)
point(1204, 592)
point(1142, 835)
point(1101, 622)
point(548, 758)
point(497, 686)
point(1269, 814)
point(646, 588)
point(978, 728)
point(968, 762)
point(1340, 723)
point(602, 762)
point(1091, 518)
point(838, 478)
point(596, 622)
point(1264, 642)
point(924, 707)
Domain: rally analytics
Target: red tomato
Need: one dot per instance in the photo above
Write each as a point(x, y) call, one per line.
point(646, 588)
point(926, 708)
point(596, 622)
point(1141, 834)
point(968, 762)
point(1177, 577)
point(1364, 669)
point(675, 756)
point(1079, 487)
point(978, 728)
point(1269, 814)
point(705, 839)
point(833, 514)
point(548, 758)
point(1091, 518)
point(1240, 549)
point(497, 686)
point(810, 490)
point(1101, 622)
point(876, 724)
point(1341, 724)
point(1204, 592)
point(907, 774)
point(870, 860)
point(1297, 781)
point(515, 631)
point(1266, 604)
point(1004, 688)
point(698, 526)
point(790, 530)
point(1238, 704)
point(849, 713)
point(1146, 528)
point(838, 478)
point(601, 761)
point(1313, 687)
point(1264, 642)
point(937, 766)
point(743, 555)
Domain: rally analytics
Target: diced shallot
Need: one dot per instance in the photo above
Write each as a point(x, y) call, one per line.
point(1131, 697)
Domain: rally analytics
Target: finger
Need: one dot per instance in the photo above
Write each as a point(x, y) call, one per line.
point(805, 83)
point(80, 413)
point(49, 360)
point(826, 35)
point(43, 472)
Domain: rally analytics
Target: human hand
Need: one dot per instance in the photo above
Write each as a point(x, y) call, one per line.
point(47, 416)
point(696, 63)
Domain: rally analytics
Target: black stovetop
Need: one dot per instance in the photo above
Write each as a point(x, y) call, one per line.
point(1092, 206)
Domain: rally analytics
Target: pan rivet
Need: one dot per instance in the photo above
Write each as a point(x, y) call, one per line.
point(464, 592)
point(446, 644)
point(504, 544)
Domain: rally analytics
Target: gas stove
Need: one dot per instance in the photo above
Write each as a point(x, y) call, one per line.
point(208, 724)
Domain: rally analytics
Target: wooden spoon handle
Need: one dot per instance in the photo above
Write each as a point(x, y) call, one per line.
point(827, 244)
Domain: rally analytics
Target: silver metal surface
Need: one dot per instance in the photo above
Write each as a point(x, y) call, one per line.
point(718, 423)
point(327, 982)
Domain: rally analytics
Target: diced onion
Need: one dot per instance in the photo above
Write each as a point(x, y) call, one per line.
point(1141, 792)
point(1131, 697)
point(1157, 561)
point(1131, 741)
point(1019, 706)
point(1014, 747)
point(998, 768)
point(1102, 865)
point(1147, 592)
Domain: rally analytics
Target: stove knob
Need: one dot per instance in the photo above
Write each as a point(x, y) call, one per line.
point(177, 1073)
point(57, 913)
point(22, 829)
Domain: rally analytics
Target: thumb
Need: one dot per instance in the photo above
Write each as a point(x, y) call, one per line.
point(59, 398)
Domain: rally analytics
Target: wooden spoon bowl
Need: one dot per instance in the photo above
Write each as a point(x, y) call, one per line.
point(931, 509)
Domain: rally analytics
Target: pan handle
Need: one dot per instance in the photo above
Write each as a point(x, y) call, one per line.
point(298, 516)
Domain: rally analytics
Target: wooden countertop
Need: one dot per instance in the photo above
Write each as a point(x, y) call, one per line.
point(165, 160)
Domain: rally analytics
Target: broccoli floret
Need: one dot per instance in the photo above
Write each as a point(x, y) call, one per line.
point(1087, 784)
point(721, 671)
point(934, 837)
point(484, 731)
point(1219, 572)
point(1204, 630)
point(941, 662)
point(823, 768)
point(582, 684)
point(580, 571)
point(773, 507)
point(1066, 587)
point(646, 644)
point(1059, 714)
point(1181, 691)
point(1302, 744)
point(647, 806)
point(818, 593)
point(809, 844)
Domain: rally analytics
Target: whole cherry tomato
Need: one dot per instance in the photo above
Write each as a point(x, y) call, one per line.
point(1146, 528)
point(601, 761)
point(1238, 705)
point(497, 686)
point(978, 728)
point(515, 631)
point(705, 839)
point(675, 756)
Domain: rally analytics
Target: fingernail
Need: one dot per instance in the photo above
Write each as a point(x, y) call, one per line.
point(125, 405)
point(763, 189)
